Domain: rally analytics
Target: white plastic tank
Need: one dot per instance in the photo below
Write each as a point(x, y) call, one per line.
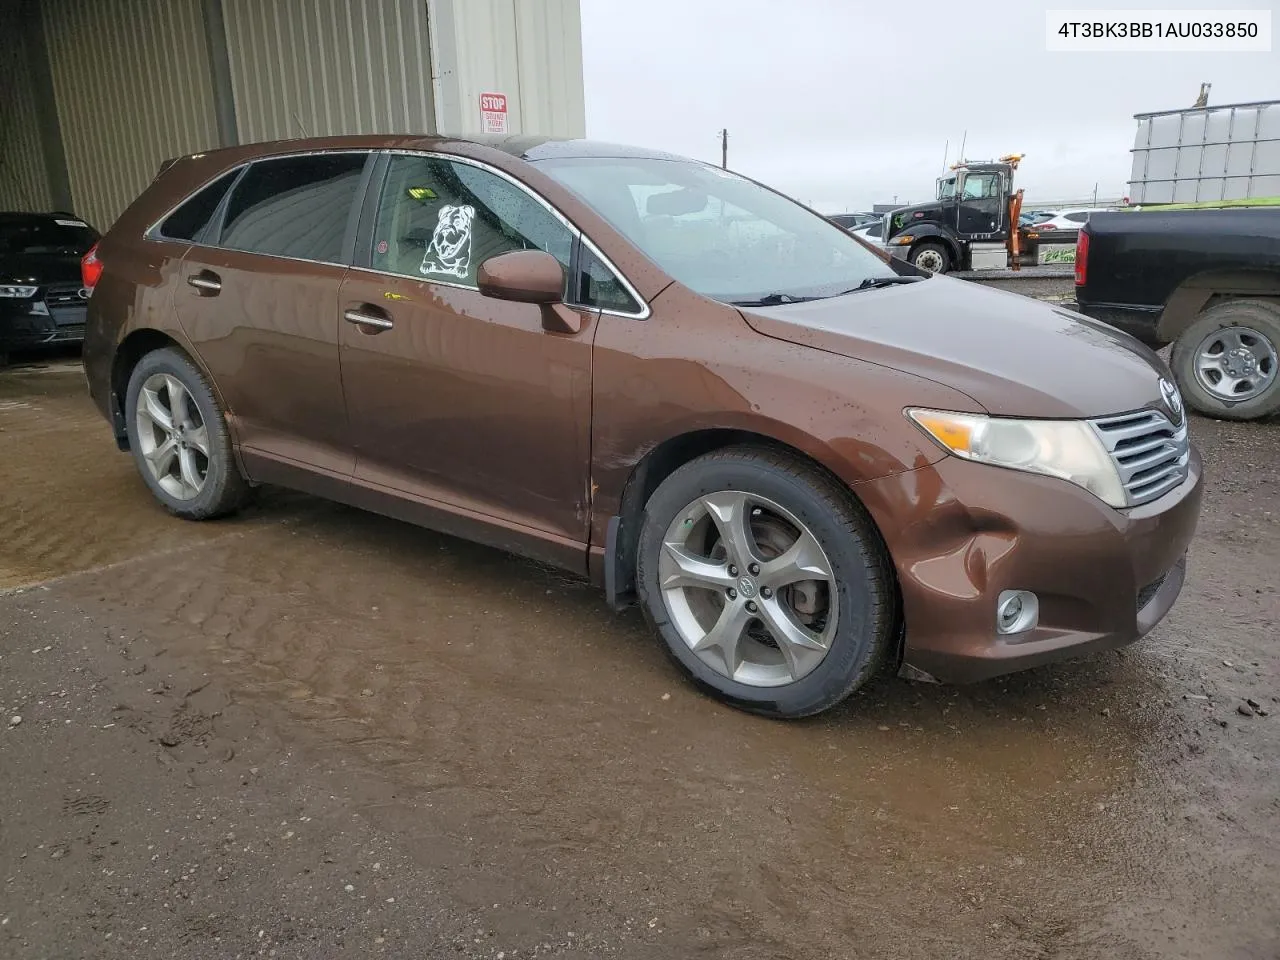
point(1206, 154)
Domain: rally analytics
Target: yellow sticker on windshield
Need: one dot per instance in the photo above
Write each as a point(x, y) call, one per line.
point(422, 193)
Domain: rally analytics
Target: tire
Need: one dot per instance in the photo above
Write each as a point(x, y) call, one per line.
point(933, 250)
point(860, 588)
point(222, 489)
point(1250, 325)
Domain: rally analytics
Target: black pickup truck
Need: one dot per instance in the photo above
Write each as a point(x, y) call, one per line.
point(1207, 281)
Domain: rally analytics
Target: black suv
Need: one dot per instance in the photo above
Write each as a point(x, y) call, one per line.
point(42, 299)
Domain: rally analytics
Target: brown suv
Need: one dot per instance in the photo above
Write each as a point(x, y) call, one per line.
point(803, 461)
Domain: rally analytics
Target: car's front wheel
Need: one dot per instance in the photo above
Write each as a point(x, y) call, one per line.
point(767, 581)
point(179, 438)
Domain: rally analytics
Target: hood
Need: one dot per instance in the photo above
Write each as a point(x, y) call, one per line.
point(1015, 356)
point(40, 269)
point(901, 218)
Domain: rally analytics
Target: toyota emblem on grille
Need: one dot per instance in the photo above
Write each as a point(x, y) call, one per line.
point(1172, 400)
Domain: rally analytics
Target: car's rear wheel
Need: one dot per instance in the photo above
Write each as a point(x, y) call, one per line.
point(1227, 363)
point(933, 257)
point(767, 581)
point(179, 438)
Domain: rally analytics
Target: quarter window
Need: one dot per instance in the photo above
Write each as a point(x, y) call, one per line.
point(189, 221)
point(599, 287)
point(294, 206)
point(439, 219)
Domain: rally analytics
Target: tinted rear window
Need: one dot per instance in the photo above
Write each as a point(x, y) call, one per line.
point(190, 219)
point(294, 207)
point(35, 235)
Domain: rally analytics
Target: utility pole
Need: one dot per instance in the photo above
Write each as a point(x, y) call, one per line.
point(724, 149)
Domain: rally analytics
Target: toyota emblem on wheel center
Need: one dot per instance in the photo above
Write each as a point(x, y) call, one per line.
point(1172, 400)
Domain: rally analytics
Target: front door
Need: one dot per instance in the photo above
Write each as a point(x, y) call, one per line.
point(259, 303)
point(981, 213)
point(456, 399)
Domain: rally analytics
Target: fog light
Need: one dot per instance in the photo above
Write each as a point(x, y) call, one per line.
point(1017, 611)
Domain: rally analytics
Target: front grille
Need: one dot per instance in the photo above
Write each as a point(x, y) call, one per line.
point(60, 295)
point(1151, 454)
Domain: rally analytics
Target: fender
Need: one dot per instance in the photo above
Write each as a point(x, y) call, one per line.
point(926, 230)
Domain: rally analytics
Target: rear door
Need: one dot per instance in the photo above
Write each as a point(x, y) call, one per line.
point(258, 299)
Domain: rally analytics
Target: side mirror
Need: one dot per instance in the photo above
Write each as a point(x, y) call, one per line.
point(530, 276)
point(525, 276)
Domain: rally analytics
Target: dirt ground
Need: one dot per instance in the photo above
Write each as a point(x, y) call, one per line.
point(310, 732)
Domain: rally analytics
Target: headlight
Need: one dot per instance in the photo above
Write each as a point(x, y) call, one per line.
point(1067, 449)
point(21, 293)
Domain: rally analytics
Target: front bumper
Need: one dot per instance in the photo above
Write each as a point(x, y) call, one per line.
point(960, 533)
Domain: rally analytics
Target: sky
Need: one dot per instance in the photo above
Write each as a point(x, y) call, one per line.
point(845, 103)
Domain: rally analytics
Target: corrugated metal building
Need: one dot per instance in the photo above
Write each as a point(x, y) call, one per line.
point(94, 94)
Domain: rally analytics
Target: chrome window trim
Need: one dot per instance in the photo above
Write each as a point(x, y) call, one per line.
point(643, 314)
point(152, 232)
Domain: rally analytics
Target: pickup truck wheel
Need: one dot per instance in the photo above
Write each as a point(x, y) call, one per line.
point(179, 438)
point(1227, 363)
point(767, 581)
point(933, 257)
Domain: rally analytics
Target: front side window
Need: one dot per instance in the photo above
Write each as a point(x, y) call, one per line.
point(440, 219)
point(294, 206)
point(191, 219)
point(982, 186)
point(719, 234)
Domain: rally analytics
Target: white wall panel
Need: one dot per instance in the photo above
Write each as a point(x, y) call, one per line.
point(328, 67)
point(24, 184)
point(131, 78)
point(530, 50)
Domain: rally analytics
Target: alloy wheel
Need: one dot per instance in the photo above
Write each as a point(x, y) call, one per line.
point(749, 588)
point(172, 436)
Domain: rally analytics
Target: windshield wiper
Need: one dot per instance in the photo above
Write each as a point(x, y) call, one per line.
point(773, 300)
point(874, 283)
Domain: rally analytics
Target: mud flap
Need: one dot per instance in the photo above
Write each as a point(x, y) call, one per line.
point(619, 584)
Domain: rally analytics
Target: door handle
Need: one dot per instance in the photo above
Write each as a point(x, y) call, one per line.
point(205, 281)
point(362, 318)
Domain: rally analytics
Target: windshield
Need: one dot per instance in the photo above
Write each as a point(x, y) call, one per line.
point(36, 235)
point(720, 234)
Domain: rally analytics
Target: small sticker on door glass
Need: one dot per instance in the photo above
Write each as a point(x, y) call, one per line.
point(382, 246)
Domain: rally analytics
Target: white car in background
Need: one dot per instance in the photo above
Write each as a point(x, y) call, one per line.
point(872, 233)
point(1071, 220)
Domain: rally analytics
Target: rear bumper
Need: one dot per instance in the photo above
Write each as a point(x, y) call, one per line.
point(21, 328)
point(966, 532)
point(1141, 322)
